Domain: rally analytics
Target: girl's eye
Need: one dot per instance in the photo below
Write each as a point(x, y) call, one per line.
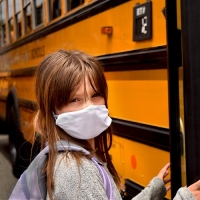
point(96, 95)
point(74, 100)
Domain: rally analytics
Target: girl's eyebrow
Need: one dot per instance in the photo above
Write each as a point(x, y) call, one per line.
point(78, 94)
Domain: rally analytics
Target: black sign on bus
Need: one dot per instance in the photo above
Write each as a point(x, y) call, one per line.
point(142, 21)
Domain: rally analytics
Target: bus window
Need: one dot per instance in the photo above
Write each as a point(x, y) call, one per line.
point(10, 20)
point(11, 30)
point(38, 8)
point(71, 4)
point(18, 19)
point(54, 9)
point(3, 22)
point(27, 16)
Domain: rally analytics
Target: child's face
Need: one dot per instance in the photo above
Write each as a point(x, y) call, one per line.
point(79, 101)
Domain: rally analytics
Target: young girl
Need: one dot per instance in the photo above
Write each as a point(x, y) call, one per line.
point(72, 93)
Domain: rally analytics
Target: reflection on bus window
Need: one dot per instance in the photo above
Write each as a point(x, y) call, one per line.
point(3, 28)
point(71, 4)
point(3, 22)
point(26, 2)
point(54, 9)
point(28, 19)
point(10, 22)
point(11, 30)
point(38, 12)
point(17, 6)
point(18, 25)
point(10, 9)
point(18, 19)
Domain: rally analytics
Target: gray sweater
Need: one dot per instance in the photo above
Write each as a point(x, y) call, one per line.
point(85, 183)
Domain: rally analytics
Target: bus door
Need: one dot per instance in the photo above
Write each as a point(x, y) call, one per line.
point(183, 41)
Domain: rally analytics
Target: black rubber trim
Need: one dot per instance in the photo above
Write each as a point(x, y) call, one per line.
point(146, 134)
point(2, 98)
point(28, 104)
point(23, 103)
point(24, 72)
point(154, 58)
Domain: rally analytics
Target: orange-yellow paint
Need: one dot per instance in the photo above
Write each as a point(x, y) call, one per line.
point(150, 160)
point(139, 96)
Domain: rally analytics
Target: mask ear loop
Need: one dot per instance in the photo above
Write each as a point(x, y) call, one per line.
point(55, 116)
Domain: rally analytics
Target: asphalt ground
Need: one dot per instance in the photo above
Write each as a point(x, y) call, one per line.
point(7, 180)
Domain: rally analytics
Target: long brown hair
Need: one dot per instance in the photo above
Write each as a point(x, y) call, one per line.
point(58, 78)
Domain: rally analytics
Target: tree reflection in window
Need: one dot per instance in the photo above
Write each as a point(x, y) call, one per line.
point(11, 30)
point(27, 15)
point(3, 22)
point(18, 19)
point(10, 21)
point(38, 12)
point(54, 9)
point(3, 35)
point(71, 4)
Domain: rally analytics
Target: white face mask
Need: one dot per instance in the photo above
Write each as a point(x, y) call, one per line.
point(86, 123)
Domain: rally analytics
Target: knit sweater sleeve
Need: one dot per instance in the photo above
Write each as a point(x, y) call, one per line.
point(184, 194)
point(155, 191)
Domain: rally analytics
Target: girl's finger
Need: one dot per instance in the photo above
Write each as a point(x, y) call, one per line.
point(167, 180)
point(168, 188)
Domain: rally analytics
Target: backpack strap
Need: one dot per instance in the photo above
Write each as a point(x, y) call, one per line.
point(33, 179)
point(105, 178)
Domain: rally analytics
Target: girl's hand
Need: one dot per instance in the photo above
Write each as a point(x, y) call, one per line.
point(195, 189)
point(163, 173)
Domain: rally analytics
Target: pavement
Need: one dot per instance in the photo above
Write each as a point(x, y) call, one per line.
point(7, 180)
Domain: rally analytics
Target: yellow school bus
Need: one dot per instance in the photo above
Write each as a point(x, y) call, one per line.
point(128, 37)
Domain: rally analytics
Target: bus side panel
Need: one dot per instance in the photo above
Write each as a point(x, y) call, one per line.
point(139, 96)
point(137, 162)
point(25, 87)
